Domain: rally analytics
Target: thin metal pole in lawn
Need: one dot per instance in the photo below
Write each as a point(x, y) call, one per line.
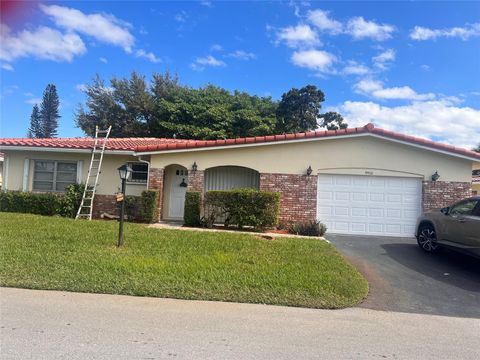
point(125, 173)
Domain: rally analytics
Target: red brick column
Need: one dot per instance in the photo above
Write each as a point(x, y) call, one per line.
point(195, 180)
point(438, 194)
point(155, 182)
point(298, 195)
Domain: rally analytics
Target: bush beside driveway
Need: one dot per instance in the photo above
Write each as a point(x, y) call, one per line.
point(55, 253)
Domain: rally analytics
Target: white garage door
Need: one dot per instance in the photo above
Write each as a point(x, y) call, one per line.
point(370, 205)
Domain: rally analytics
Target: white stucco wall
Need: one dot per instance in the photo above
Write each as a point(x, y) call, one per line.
point(352, 155)
point(108, 184)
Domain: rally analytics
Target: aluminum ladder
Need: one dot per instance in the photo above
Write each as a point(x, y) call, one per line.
point(86, 206)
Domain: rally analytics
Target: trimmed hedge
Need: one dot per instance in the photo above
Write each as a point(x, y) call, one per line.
point(139, 208)
point(308, 228)
point(64, 204)
point(32, 203)
point(242, 207)
point(193, 200)
point(142, 208)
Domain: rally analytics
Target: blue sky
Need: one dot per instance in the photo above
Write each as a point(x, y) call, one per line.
point(411, 67)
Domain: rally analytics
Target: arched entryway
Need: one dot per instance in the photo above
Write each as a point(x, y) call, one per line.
point(175, 187)
point(231, 177)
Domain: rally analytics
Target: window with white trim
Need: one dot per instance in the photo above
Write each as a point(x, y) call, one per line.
point(51, 175)
point(139, 173)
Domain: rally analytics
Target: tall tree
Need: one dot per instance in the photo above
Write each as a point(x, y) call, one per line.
point(167, 109)
point(332, 121)
point(299, 109)
point(35, 130)
point(49, 112)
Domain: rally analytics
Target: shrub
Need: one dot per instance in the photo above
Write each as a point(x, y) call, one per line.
point(191, 215)
point(132, 207)
point(148, 208)
point(242, 207)
point(70, 201)
point(33, 203)
point(308, 228)
point(142, 208)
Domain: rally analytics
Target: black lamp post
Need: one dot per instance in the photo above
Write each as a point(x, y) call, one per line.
point(125, 173)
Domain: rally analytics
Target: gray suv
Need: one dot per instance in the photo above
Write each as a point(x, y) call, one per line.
point(456, 226)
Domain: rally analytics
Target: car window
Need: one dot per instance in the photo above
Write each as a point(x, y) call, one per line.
point(463, 208)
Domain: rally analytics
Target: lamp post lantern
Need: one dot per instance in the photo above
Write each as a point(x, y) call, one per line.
point(125, 173)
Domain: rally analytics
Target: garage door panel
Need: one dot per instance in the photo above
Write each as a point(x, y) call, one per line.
point(369, 205)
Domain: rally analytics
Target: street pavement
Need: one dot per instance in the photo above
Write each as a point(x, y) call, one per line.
point(61, 325)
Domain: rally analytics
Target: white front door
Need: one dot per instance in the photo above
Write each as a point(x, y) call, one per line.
point(177, 194)
point(369, 205)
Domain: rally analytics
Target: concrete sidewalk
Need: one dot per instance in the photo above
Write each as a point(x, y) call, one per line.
point(60, 325)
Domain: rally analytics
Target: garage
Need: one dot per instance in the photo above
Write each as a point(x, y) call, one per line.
point(369, 205)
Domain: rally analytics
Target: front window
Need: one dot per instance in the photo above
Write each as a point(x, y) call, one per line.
point(463, 208)
point(139, 173)
point(53, 175)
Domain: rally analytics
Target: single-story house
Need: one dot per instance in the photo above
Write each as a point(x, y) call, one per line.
point(363, 180)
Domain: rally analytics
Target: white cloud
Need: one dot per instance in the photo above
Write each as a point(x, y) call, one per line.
point(354, 68)
point(422, 33)
point(28, 94)
point(216, 47)
point(242, 55)
point(181, 16)
point(81, 87)
point(202, 62)
point(438, 120)
point(147, 56)
point(321, 19)
point(7, 67)
point(206, 3)
point(33, 101)
point(376, 89)
point(317, 60)
point(103, 27)
point(42, 43)
point(382, 60)
point(425, 67)
point(359, 28)
point(103, 60)
point(297, 36)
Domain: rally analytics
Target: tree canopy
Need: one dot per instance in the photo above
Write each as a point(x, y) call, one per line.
point(163, 107)
point(477, 149)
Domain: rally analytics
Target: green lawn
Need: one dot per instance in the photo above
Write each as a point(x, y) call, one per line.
point(55, 253)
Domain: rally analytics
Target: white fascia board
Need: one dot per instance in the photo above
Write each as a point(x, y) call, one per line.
point(64, 150)
point(250, 145)
point(207, 148)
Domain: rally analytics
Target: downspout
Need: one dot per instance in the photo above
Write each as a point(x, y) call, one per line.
point(148, 172)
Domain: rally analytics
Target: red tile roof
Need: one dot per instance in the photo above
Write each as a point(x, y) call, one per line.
point(113, 144)
point(369, 128)
point(140, 145)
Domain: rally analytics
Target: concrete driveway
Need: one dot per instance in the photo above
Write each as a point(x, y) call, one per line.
point(404, 278)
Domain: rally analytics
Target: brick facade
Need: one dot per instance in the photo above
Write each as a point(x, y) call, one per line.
point(195, 180)
point(438, 194)
point(104, 204)
point(155, 182)
point(298, 195)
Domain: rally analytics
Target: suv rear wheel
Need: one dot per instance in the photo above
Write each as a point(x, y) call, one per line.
point(427, 238)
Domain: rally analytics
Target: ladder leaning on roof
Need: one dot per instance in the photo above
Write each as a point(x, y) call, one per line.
point(86, 206)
